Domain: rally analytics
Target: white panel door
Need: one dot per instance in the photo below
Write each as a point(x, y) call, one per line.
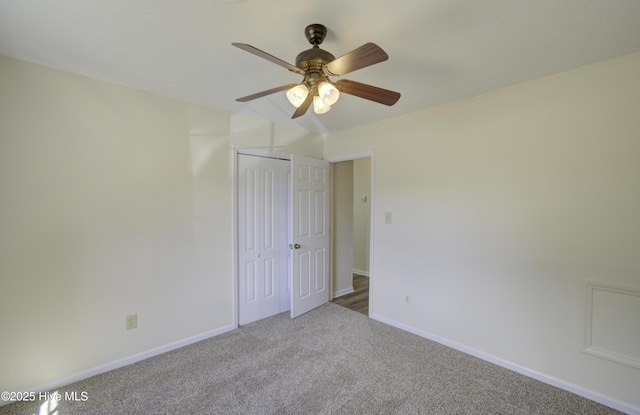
point(262, 236)
point(310, 204)
point(248, 238)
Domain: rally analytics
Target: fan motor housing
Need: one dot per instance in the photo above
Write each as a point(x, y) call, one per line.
point(313, 58)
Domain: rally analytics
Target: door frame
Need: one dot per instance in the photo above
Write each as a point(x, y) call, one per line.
point(236, 150)
point(350, 157)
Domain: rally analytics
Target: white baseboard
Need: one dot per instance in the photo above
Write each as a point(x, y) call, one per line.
point(345, 291)
point(125, 361)
point(578, 390)
point(360, 272)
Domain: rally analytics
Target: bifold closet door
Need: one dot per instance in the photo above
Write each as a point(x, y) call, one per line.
point(262, 235)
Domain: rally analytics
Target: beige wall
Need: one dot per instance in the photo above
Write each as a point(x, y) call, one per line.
point(342, 227)
point(503, 204)
point(113, 201)
point(361, 214)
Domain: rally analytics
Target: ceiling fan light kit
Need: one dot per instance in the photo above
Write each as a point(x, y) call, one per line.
point(297, 95)
point(319, 107)
point(328, 93)
point(316, 66)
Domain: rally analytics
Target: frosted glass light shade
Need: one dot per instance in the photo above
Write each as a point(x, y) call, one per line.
point(297, 95)
point(328, 93)
point(319, 107)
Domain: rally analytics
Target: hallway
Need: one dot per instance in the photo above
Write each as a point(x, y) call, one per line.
point(358, 300)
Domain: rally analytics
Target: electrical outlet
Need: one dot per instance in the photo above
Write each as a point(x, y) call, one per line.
point(407, 299)
point(132, 321)
point(387, 218)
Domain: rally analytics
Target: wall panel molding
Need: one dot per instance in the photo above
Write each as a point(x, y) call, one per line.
point(612, 323)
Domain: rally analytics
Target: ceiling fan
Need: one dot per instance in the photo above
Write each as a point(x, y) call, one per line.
point(316, 66)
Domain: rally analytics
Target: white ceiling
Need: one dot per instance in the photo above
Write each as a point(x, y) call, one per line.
point(439, 50)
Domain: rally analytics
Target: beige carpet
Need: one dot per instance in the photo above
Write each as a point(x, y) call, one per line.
point(329, 361)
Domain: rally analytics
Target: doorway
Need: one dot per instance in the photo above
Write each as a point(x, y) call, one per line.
point(352, 241)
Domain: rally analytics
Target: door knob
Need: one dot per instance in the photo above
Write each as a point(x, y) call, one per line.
point(294, 246)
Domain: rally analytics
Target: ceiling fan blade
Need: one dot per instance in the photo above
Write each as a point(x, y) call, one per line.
point(268, 57)
point(265, 93)
point(359, 58)
point(305, 105)
point(372, 93)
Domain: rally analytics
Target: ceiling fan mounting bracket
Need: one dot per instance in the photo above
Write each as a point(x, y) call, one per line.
point(315, 33)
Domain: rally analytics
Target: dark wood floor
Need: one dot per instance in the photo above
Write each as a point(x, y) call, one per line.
point(358, 300)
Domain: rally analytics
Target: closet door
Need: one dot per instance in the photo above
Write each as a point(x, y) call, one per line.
point(262, 220)
point(310, 223)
